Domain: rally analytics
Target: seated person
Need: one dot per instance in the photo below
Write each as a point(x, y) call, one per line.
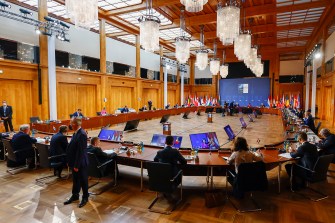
point(249, 105)
point(240, 155)
point(300, 113)
point(327, 144)
point(21, 141)
point(262, 105)
point(170, 155)
point(308, 156)
point(58, 145)
point(176, 106)
point(144, 108)
point(309, 120)
point(103, 112)
point(78, 113)
point(102, 156)
point(167, 106)
point(125, 109)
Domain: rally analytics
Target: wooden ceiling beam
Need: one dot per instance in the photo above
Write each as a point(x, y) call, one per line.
point(273, 40)
point(142, 6)
point(267, 9)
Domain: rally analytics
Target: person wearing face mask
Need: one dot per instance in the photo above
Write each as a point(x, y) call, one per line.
point(77, 160)
point(6, 113)
point(58, 145)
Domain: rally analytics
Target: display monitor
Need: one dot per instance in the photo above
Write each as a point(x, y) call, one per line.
point(110, 135)
point(250, 118)
point(165, 118)
point(159, 140)
point(229, 132)
point(131, 125)
point(255, 114)
point(244, 125)
point(206, 140)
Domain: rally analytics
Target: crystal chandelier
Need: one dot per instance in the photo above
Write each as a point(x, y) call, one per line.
point(83, 13)
point(214, 63)
point(201, 54)
point(194, 5)
point(228, 22)
point(182, 42)
point(223, 68)
point(149, 29)
point(242, 46)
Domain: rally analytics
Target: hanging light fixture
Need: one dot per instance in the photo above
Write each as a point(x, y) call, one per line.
point(201, 54)
point(194, 5)
point(223, 68)
point(214, 63)
point(83, 13)
point(228, 22)
point(182, 42)
point(149, 29)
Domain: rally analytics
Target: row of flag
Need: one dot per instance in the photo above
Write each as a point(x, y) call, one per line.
point(285, 101)
point(204, 101)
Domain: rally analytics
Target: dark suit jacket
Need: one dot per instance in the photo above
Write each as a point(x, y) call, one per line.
point(308, 154)
point(76, 150)
point(170, 155)
point(9, 111)
point(101, 155)
point(77, 114)
point(58, 144)
point(328, 144)
point(22, 141)
point(125, 110)
point(310, 122)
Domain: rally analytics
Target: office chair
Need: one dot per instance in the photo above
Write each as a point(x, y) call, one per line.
point(97, 170)
point(315, 175)
point(250, 177)
point(317, 127)
point(47, 161)
point(98, 113)
point(161, 180)
point(34, 119)
point(13, 156)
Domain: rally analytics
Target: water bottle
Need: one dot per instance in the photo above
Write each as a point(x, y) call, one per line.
point(142, 146)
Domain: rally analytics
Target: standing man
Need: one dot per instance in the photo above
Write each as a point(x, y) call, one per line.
point(78, 162)
point(149, 104)
point(6, 113)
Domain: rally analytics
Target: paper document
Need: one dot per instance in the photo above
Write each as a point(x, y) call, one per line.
point(40, 140)
point(225, 157)
point(109, 151)
point(285, 155)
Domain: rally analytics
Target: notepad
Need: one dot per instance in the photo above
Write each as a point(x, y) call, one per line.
point(225, 157)
point(285, 155)
point(189, 157)
point(109, 151)
point(40, 140)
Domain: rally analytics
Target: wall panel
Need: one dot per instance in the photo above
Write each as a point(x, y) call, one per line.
point(121, 96)
point(150, 94)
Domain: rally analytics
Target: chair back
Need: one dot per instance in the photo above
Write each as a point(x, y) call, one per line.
point(93, 163)
point(317, 128)
point(98, 113)
point(160, 175)
point(252, 177)
point(10, 152)
point(321, 168)
point(43, 154)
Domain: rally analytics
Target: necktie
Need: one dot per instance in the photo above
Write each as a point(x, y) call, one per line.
point(4, 110)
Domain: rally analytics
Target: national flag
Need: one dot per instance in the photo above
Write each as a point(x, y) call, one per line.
point(269, 101)
point(298, 101)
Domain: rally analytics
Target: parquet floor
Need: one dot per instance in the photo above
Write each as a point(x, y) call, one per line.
point(21, 200)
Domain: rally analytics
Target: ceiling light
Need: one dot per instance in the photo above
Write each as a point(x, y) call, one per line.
point(83, 13)
point(182, 42)
point(317, 55)
point(194, 5)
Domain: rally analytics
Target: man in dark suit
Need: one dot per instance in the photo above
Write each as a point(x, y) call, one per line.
point(308, 156)
point(149, 104)
point(78, 161)
point(309, 120)
point(125, 109)
point(58, 145)
point(6, 113)
point(170, 155)
point(327, 145)
point(22, 142)
point(78, 113)
point(102, 156)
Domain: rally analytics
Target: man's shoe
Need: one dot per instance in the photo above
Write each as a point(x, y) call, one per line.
point(71, 199)
point(83, 202)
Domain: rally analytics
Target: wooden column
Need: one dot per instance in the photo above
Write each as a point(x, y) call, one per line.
point(103, 66)
point(138, 57)
point(43, 105)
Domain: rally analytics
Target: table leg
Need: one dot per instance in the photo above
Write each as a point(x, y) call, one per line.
point(212, 183)
point(279, 171)
point(141, 176)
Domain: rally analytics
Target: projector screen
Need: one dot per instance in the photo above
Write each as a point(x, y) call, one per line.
point(245, 90)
